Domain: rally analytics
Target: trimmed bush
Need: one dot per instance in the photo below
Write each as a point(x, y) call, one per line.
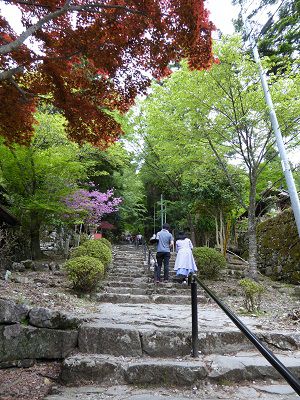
point(78, 251)
point(209, 262)
point(105, 241)
point(85, 272)
point(94, 248)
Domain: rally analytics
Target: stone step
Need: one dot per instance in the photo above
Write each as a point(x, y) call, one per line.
point(233, 260)
point(127, 254)
point(125, 265)
point(125, 274)
point(132, 342)
point(159, 338)
point(83, 369)
point(238, 274)
point(150, 289)
point(154, 298)
point(135, 280)
point(139, 279)
point(208, 391)
point(133, 260)
point(146, 283)
point(129, 275)
point(238, 267)
point(141, 335)
point(130, 284)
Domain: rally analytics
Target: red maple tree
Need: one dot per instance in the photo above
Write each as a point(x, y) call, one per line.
point(89, 58)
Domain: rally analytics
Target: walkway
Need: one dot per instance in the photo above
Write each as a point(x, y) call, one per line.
point(137, 346)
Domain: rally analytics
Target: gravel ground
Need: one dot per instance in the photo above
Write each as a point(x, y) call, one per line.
point(32, 383)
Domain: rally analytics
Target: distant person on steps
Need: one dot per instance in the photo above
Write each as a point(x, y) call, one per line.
point(165, 241)
point(184, 263)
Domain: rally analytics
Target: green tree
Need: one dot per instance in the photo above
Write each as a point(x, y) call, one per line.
point(279, 37)
point(176, 165)
point(221, 115)
point(38, 176)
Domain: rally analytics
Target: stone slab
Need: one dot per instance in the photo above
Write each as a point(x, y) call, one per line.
point(177, 371)
point(175, 316)
point(250, 366)
point(19, 342)
point(124, 340)
point(207, 392)
point(151, 298)
point(109, 340)
point(82, 369)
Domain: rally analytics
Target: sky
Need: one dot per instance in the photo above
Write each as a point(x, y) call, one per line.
point(221, 14)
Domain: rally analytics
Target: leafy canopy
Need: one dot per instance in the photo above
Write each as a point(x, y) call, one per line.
point(89, 58)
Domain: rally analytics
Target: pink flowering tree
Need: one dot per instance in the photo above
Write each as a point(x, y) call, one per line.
point(90, 206)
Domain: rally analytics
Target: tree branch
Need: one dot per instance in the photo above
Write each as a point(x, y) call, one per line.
point(239, 198)
point(95, 7)
point(7, 75)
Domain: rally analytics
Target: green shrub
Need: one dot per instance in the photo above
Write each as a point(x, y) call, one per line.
point(85, 272)
point(105, 241)
point(252, 294)
point(84, 237)
point(94, 248)
point(209, 262)
point(78, 251)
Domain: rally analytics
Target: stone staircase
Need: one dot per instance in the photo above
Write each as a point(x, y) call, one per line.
point(236, 266)
point(137, 345)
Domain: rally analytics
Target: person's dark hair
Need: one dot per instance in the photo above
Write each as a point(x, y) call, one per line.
point(181, 236)
point(166, 226)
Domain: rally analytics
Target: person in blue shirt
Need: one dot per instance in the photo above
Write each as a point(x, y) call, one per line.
point(165, 241)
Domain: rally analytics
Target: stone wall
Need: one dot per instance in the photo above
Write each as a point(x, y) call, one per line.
point(28, 334)
point(279, 247)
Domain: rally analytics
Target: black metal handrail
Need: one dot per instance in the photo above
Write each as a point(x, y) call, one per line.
point(148, 254)
point(291, 379)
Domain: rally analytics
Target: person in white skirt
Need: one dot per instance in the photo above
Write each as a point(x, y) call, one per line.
point(184, 263)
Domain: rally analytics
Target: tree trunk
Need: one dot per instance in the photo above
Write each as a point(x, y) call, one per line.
point(217, 232)
point(227, 237)
point(221, 231)
point(192, 229)
point(252, 230)
point(35, 248)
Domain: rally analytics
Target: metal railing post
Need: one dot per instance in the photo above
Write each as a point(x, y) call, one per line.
point(194, 318)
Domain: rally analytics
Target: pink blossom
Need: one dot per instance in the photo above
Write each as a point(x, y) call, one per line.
point(93, 204)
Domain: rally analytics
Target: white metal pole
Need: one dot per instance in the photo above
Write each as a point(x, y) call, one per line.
point(275, 125)
point(154, 217)
point(161, 210)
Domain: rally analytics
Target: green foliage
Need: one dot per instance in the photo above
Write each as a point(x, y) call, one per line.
point(84, 237)
point(252, 293)
point(208, 141)
point(209, 261)
point(106, 242)
point(85, 272)
point(78, 251)
point(94, 248)
point(35, 178)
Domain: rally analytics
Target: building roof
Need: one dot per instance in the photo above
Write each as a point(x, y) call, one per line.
point(106, 225)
